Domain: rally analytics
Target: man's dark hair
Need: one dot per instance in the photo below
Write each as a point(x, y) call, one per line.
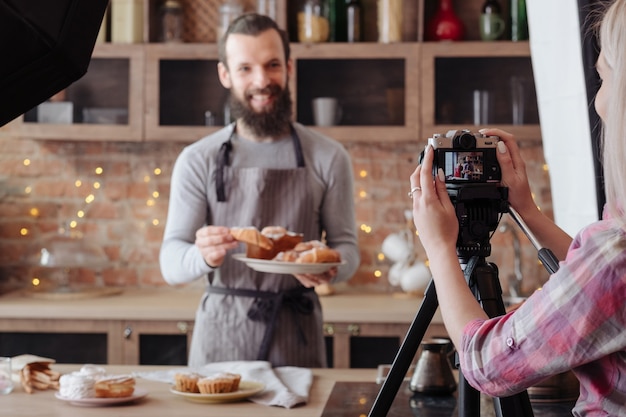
point(252, 24)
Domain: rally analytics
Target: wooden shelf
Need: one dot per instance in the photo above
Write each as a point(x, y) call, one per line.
point(388, 92)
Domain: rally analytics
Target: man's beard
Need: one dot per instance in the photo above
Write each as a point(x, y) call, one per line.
point(274, 121)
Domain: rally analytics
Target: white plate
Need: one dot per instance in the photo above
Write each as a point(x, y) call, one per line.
point(279, 267)
point(103, 402)
point(246, 389)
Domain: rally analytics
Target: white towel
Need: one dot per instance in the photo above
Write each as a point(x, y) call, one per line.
point(285, 386)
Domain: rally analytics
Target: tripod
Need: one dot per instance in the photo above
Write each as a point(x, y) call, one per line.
point(482, 277)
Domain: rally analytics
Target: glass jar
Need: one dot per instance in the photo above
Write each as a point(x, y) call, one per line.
point(229, 11)
point(313, 24)
point(171, 21)
point(389, 21)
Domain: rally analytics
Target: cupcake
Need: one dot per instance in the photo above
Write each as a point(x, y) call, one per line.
point(219, 384)
point(187, 382)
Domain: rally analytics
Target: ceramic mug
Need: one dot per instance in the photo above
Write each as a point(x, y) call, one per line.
point(326, 111)
point(491, 26)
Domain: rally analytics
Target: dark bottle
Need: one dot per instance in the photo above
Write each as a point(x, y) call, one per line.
point(353, 17)
point(337, 20)
point(519, 20)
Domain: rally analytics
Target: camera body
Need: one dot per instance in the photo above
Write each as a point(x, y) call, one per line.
point(466, 157)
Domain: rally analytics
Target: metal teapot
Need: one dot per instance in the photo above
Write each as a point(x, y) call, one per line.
point(433, 372)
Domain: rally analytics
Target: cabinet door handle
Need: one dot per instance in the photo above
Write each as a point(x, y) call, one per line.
point(128, 331)
point(354, 329)
point(182, 326)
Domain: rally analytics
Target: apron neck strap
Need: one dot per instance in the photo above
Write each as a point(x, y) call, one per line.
point(223, 160)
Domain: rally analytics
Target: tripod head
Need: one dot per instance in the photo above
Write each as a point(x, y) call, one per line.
point(478, 208)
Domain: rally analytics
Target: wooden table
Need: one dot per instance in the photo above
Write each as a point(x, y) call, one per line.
point(161, 403)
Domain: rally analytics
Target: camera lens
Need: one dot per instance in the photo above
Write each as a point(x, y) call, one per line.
point(464, 141)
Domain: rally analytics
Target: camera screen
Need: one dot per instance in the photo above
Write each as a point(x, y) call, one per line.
point(463, 166)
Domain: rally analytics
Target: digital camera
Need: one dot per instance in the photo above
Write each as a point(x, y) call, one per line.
point(466, 157)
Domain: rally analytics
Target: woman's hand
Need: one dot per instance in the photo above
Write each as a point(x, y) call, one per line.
point(313, 280)
point(433, 213)
point(513, 170)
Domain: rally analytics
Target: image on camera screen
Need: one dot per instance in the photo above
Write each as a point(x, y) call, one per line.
point(463, 166)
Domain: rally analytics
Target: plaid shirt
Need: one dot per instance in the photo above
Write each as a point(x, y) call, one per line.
point(576, 321)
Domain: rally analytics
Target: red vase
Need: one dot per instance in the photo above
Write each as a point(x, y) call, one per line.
point(445, 24)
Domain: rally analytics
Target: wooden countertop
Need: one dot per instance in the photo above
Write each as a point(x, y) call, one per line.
point(175, 304)
point(161, 403)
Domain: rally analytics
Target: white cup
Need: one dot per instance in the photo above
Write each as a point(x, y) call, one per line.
point(6, 382)
point(326, 111)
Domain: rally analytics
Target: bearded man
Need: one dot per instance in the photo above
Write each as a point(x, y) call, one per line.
point(262, 170)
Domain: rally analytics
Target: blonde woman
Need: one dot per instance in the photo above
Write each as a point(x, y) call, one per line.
point(578, 320)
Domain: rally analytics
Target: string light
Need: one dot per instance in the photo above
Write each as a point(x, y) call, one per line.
point(380, 256)
point(378, 273)
point(365, 228)
point(26, 162)
point(24, 231)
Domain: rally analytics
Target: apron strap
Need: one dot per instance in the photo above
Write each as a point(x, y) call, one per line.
point(223, 160)
point(265, 309)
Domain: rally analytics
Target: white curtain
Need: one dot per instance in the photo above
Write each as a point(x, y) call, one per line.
point(555, 43)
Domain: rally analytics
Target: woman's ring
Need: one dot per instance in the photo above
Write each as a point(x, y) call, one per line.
point(413, 190)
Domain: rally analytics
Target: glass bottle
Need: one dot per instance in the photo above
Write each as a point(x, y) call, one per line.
point(389, 21)
point(353, 17)
point(229, 11)
point(313, 24)
point(445, 24)
point(519, 20)
point(171, 21)
point(337, 20)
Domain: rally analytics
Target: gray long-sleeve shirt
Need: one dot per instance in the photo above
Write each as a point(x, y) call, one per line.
point(331, 185)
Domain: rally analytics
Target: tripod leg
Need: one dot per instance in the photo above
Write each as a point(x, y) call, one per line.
point(486, 287)
point(406, 353)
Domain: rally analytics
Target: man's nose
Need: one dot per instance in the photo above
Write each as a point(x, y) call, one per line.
point(261, 77)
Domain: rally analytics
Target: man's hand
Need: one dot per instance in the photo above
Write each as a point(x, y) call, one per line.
point(313, 280)
point(213, 243)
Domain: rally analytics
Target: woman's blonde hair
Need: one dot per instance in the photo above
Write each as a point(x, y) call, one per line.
point(612, 39)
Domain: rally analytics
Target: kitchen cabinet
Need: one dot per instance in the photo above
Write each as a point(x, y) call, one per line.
point(155, 327)
point(387, 92)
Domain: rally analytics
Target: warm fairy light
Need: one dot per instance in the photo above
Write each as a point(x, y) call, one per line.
point(35, 281)
point(363, 173)
point(97, 185)
point(146, 178)
point(34, 212)
point(157, 171)
point(362, 400)
point(99, 171)
point(427, 262)
point(380, 256)
point(90, 198)
point(73, 224)
point(155, 194)
point(150, 202)
point(365, 228)
point(378, 273)
point(78, 183)
point(155, 222)
point(363, 194)
point(24, 231)
point(26, 162)
point(80, 214)
point(28, 189)
point(545, 167)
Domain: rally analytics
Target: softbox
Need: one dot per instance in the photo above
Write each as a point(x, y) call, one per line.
point(45, 45)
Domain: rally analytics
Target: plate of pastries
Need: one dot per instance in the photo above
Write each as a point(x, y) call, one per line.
point(217, 388)
point(274, 249)
point(92, 386)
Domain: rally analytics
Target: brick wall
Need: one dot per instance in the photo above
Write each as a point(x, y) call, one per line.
point(39, 192)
